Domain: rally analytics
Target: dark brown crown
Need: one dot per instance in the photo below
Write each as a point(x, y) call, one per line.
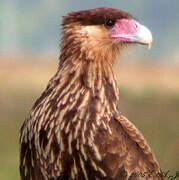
point(97, 16)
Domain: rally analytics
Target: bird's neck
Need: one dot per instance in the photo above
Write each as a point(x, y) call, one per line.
point(93, 76)
point(88, 63)
point(87, 94)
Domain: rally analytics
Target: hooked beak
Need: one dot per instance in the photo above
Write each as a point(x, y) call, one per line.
point(130, 31)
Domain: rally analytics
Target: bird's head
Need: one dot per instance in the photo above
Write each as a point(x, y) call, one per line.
point(104, 30)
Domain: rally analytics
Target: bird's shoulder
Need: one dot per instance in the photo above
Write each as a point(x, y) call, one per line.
point(125, 151)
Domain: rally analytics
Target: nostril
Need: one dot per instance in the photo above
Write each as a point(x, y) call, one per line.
point(135, 25)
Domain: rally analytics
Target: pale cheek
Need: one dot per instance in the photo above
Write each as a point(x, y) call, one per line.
point(95, 33)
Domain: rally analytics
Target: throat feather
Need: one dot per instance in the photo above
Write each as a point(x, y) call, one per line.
point(91, 93)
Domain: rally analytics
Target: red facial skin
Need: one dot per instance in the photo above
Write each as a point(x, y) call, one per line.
point(124, 29)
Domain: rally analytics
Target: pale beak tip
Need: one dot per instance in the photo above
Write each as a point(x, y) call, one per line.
point(144, 36)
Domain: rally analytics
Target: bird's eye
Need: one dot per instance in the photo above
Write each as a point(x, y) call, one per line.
point(109, 23)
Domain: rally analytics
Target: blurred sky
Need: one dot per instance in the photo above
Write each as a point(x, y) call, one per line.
point(33, 27)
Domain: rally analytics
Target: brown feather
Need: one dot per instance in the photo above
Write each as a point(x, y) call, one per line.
point(75, 130)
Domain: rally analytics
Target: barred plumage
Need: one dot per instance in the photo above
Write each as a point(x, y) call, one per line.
point(75, 130)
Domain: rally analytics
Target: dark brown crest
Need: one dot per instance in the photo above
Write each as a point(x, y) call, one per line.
point(95, 16)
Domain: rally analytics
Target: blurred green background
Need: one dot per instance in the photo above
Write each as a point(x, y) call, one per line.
point(149, 80)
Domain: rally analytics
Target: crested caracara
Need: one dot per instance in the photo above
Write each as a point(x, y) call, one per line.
point(75, 129)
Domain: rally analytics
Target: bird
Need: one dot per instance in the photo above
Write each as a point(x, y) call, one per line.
point(75, 129)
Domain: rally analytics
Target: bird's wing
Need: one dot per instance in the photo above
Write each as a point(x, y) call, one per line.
point(125, 153)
